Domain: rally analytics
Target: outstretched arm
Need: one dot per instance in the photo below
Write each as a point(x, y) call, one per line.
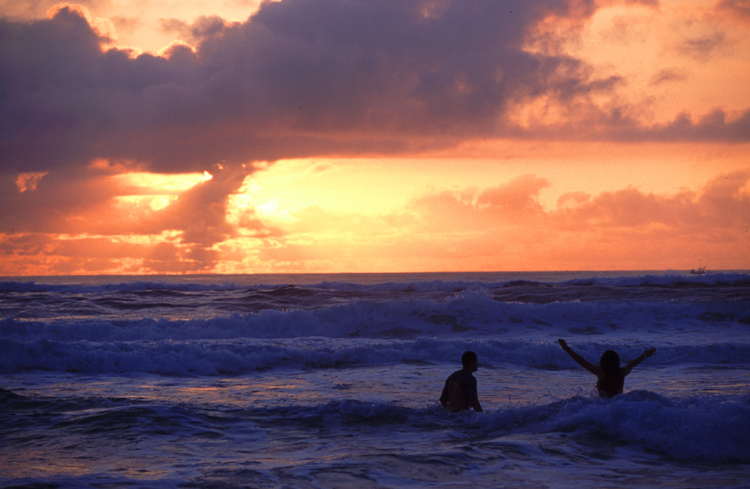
point(594, 369)
point(646, 353)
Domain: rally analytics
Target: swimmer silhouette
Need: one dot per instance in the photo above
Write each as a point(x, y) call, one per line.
point(610, 376)
point(460, 391)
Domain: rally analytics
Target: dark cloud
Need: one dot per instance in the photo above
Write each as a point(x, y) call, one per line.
point(300, 77)
point(204, 27)
point(703, 47)
point(619, 124)
point(739, 8)
point(716, 126)
point(666, 76)
point(200, 212)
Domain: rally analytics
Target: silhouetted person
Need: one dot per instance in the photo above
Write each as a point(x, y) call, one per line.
point(610, 376)
point(460, 391)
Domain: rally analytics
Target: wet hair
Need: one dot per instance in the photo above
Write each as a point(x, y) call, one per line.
point(468, 358)
point(610, 362)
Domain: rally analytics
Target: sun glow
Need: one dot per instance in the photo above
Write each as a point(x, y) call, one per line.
point(152, 202)
point(152, 191)
point(162, 183)
point(622, 136)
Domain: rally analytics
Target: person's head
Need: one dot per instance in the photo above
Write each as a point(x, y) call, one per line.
point(469, 359)
point(610, 362)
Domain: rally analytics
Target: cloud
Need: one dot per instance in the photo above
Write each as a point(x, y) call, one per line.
point(667, 76)
point(101, 205)
point(626, 228)
point(28, 181)
point(739, 9)
point(202, 28)
point(716, 126)
point(505, 227)
point(298, 78)
point(502, 226)
point(702, 47)
point(520, 196)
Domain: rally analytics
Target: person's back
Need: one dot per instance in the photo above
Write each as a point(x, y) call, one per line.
point(610, 377)
point(460, 390)
point(610, 385)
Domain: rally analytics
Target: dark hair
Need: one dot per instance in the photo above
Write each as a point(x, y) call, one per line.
point(610, 362)
point(468, 358)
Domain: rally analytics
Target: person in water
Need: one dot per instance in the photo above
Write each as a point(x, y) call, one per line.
point(460, 391)
point(610, 376)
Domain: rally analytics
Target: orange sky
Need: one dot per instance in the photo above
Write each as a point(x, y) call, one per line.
point(373, 136)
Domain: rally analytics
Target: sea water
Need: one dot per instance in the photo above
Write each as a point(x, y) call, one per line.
point(324, 381)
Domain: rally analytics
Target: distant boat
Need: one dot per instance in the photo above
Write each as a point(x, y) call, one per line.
point(700, 271)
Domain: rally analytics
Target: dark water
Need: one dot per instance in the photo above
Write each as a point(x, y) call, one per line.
point(332, 381)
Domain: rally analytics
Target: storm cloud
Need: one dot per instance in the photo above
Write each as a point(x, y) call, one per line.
point(298, 78)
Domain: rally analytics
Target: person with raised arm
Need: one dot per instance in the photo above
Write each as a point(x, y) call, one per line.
point(610, 376)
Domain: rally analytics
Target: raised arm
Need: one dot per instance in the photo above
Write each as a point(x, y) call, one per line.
point(594, 369)
point(646, 353)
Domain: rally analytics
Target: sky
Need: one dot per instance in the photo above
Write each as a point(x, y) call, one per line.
point(336, 136)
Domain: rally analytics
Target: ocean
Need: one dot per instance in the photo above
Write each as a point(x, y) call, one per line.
point(332, 381)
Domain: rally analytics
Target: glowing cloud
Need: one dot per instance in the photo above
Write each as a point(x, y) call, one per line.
point(106, 143)
point(29, 181)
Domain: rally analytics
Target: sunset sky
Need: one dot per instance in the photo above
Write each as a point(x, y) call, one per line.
point(240, 136)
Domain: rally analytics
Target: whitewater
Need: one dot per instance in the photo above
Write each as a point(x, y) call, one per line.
point(326, 381)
